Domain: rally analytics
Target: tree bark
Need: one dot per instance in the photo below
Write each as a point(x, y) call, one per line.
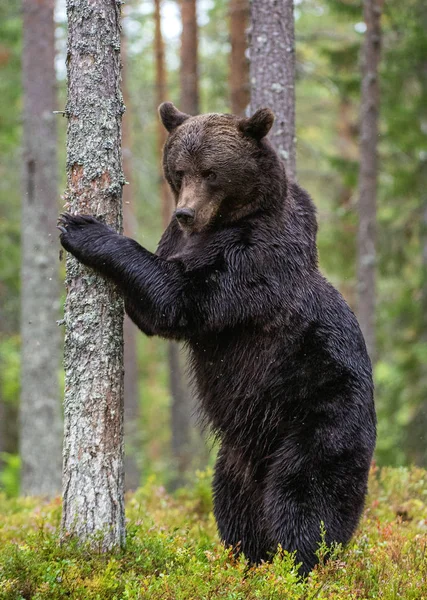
point(133, 446)
point(239, 64)
point(272, 71)
point(189, 71)
point(93, 478)
point(368, 171)
point(40, 411)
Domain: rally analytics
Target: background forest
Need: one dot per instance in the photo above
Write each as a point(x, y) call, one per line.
point(329, 34)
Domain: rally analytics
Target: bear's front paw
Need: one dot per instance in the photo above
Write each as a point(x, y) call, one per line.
point(82, 235)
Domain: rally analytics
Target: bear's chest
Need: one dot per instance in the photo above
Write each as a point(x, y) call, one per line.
point(233, 367)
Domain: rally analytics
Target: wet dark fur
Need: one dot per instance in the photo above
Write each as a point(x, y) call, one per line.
point(281, 367)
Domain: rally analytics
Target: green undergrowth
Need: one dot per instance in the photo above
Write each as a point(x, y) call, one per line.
point(173, 551)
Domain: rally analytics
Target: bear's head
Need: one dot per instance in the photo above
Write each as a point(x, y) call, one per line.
point(216, 165)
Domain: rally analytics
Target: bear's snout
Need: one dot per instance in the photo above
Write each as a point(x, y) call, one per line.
point(185, 216)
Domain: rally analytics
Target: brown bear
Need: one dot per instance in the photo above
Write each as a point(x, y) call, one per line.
point(279, 362)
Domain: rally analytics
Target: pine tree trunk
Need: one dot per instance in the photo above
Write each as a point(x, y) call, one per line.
point(423, 226)
point(180, 407)
point(40, 411)
point(183, 403)
point(161, 96)
point(9, 428)
point(347, 145)
point(133, 446)
point(415, 433)
point(272, 71)
point(189, 63)
point(239, 64)
point(368, 171)
point(93, 478)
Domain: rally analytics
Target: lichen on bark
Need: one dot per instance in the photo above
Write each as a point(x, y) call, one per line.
point(93, 477)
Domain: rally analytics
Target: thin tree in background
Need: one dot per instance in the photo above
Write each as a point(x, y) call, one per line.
point(272, 72)
point(423, 200)
point(133, 445)
point(93, 494)
point(239, 64)
point(368, 172)
point(423, 224)
point(182, 405)
point(189, 70)
point(8, 429)
point(161, 93)
point(417, 426)
point(347, 147)
point(40, 411)
point(181, 400)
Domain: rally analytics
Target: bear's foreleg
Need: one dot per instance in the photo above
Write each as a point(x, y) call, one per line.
point(161, 296)
point(154, 289)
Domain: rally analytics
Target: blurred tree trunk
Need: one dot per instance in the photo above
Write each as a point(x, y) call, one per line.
point(348, 151)
point(239, 64)
point(423, 187)
point(40, 411)
point(272, 72)
point(9, 428)
point(189, 71)
point(180, 407)
point(182, 401)
point(93, 476)
point(416, 431)
point(133, 445)
point(423, 333)
point(161, 96)
point(347, 144)
point(417, 427)
point(368, 172)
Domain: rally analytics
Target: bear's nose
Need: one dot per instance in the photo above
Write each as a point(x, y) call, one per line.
point(185, 215)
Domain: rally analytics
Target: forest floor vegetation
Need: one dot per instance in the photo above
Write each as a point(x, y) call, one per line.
point(173, 551)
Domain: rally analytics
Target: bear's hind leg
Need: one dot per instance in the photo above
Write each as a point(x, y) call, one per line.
point(295, 526)
point(238, 506)
point(303, 496)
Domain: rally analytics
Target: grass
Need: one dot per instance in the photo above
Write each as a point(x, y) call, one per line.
point(173, 552)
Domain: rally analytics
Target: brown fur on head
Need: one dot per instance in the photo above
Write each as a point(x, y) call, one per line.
point(212, 165)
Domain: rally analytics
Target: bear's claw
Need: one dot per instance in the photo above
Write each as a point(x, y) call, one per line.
point(66, 220)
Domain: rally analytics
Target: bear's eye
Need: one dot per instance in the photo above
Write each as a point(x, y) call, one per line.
point(209, 175)
point(179, 175)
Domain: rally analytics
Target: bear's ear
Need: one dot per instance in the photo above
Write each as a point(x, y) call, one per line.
point(258, 125)
point(171, 117)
